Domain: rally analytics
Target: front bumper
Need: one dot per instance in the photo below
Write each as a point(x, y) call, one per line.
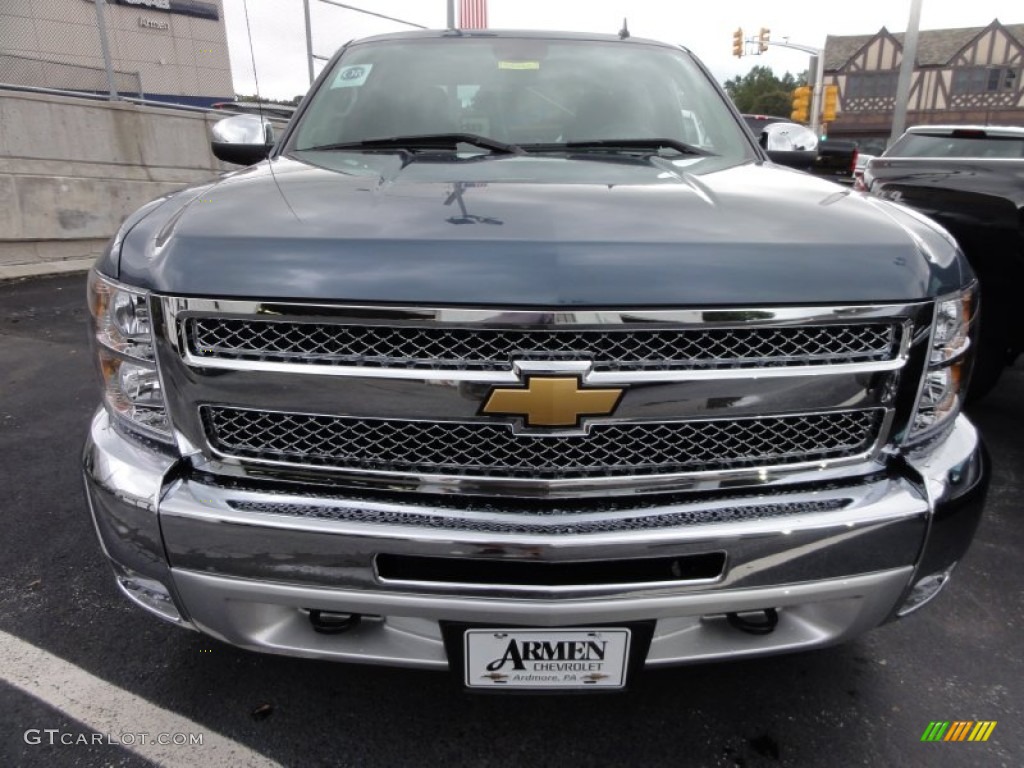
point(246, 562)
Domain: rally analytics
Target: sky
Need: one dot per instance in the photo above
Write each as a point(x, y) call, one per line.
point(706, 28)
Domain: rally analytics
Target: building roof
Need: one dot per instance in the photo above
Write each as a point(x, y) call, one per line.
point(935, 47)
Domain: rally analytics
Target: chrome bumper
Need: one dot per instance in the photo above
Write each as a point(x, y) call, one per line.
point(246, 564)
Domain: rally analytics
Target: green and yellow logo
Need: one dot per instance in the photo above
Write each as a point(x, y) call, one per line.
point(958, 730)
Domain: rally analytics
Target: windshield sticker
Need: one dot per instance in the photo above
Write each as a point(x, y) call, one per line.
point(352, 76)
point(518, 65)
point(478, 125)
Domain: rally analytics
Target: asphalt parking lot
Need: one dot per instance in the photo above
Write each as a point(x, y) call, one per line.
point(865, 703)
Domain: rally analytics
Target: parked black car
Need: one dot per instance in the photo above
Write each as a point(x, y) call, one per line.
point(970, 179)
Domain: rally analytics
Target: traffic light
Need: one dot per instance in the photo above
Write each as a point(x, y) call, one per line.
point(801, 104)
point(737, 43)
point(830, 101)
point(762, 39)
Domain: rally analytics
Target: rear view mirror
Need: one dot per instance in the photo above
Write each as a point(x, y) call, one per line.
point(242, 139)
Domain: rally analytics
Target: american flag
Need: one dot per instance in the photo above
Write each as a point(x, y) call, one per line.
point(472, 14)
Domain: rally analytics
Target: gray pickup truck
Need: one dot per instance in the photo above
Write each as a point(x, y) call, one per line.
point(484, 367)
point(969, 179)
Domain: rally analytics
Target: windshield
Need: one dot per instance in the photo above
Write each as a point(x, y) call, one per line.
point(934, 145)
point(521, 92)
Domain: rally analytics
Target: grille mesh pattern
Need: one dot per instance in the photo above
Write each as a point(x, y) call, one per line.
point(493, 450)
point(527, 526)
point(440, 347)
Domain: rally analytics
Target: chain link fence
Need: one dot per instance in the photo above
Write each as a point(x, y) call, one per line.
point(279, 45)
point(177, 50)
point(160, 50)
point(58, 75)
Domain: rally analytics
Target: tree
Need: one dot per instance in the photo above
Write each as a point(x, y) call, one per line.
point(760, 92)
point(777, 103)
point(253, 98)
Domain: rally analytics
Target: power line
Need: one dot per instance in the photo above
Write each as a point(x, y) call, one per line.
point(373, 13)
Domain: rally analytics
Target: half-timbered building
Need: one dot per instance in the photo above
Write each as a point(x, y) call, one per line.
point(973, 75)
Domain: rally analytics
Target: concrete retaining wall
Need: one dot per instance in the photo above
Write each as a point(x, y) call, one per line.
point(71, 169)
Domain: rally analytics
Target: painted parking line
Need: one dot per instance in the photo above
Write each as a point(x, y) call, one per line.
point(122, 717)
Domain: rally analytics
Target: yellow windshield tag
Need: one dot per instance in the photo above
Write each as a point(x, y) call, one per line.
point(518, 65)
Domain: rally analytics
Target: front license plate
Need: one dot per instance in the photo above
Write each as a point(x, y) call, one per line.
point(546, 658)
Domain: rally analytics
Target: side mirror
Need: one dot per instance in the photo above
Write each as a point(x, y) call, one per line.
point(790, 144)
point(242, 139)
point(802, 160)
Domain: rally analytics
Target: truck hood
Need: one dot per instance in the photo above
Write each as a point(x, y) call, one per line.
point(533, 231)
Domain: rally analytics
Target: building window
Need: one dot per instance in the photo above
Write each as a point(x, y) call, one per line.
point(985, 79)
point(871, 85)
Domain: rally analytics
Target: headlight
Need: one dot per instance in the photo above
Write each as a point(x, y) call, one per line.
point(123, 339)
point(949, 364)
point(120, 317)
point(953, 318)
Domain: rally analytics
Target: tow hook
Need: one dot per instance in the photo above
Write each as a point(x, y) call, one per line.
point(761, 622)
point(330, 623)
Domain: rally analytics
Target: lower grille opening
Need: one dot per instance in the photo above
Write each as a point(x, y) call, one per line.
point(449, 570)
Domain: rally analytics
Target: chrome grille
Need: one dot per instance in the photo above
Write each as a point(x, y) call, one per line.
point(494, 450)
point(626, 348)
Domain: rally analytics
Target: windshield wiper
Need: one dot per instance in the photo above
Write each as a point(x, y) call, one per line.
point(448, 141)
point(621, 145)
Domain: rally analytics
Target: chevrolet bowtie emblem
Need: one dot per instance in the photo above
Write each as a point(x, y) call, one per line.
point(552, 402)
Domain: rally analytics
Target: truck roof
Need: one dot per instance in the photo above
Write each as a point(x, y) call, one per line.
point(532, 34)
point(978, 131)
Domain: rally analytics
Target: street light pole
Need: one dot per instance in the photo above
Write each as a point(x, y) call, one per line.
point(451, 14)
point(816, 71)
point(899, 112)
point(818, 67)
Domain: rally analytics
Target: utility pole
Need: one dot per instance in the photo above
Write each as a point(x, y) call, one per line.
point(309, 40)
point(817, 67)
point(451, 14)
point(899, 112)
